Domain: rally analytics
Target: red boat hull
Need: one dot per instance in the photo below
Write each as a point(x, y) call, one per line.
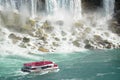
point(42, 67)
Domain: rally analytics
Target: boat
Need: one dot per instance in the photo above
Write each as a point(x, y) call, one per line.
point(40, 67)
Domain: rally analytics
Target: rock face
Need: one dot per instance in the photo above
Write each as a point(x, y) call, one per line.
point(115, 26)
point(91, 4)
point(117, 16)
point(117, 5)
point(46, 36)
point(117, 10)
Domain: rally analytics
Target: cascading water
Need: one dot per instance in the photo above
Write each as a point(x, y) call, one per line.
point(59, 30)
point(12, 4)
point(78, 9)
point(51, 6)
point(33, 8)
point(73, 6)
point(64, 3)
point(108, 6)
point(20, 5)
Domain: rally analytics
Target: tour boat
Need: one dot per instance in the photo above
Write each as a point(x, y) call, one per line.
point(41, 67)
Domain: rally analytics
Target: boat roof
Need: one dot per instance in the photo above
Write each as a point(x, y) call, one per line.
point(40, 63)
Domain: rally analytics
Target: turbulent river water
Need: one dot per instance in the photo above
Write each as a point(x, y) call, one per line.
point(86, 65)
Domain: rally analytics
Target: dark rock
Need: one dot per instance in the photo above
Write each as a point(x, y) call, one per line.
point(106, 42)
point(76, 43)
point(22, 45)
point(91, 4)
point(43, 38)
point(117, 16)
point(13, 36)
point(119, 46)
point(63, 33)
point(89, 46)
point(57, 39)
point(117, 5)
point(26, 40)
point(109, 46)
point(55, 44)
point(86, 41)
point(98, 38)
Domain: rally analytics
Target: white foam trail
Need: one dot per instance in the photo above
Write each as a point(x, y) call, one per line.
point(103, 74)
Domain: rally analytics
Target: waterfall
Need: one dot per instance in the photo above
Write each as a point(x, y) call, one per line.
point(20, 5)
point(77, 9)
point(64, 4)
point(73, 6)
point(33, 8)
point(51, 6)
point(108, 6)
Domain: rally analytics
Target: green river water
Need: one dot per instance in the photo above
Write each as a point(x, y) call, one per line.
point(87, 65)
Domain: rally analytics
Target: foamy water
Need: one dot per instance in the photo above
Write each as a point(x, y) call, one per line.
point(69, 33)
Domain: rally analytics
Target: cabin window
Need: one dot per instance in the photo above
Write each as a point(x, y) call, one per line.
point(27, 67)
point(44, 67)
point(33, 68)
